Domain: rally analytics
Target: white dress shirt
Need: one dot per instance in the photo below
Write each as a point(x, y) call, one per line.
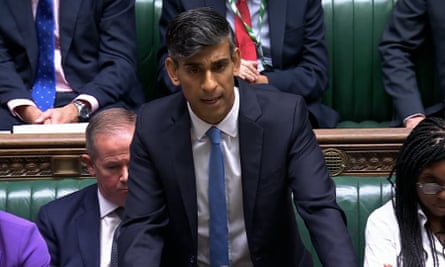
point(109, 221)
point(238, 249)
point(383, 238)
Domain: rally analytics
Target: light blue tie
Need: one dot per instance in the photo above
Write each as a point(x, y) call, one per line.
point(218, 232)
point(44, 88)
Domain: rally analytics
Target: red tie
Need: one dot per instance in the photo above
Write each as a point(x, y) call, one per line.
point(245, 43)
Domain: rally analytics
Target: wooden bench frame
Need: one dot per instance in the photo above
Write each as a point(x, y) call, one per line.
point(359, 152)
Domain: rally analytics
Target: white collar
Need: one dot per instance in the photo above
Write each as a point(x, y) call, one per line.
point(105, 206)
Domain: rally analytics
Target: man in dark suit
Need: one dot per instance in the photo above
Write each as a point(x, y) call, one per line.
point(79, 228)
point(271, 161)
point(411, 23)
point(292, 40)
point(95, 60)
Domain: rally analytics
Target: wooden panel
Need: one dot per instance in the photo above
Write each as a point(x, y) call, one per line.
point(362, 152)
point(35, 156)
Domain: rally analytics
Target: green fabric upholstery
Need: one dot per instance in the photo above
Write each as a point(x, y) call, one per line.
point(353, 31)
point(148, 13)
point(357, 196)
point(25, 197)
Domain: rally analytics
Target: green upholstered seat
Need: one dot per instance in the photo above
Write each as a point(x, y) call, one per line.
point(358, 197)
point(148, 13)
point(354, 29)
point(25, 197)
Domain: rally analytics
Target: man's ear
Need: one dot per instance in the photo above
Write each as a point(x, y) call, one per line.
point(89, 162)
point(172, 68)
point(236, 58)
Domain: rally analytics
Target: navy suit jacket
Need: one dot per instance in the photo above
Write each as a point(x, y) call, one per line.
point(98, 47)
point(71, 227)
point(412, 22)
point(298, 50)
point(279, 157)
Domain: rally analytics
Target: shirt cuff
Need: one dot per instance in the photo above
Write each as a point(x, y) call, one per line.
point(412, 116)
point(12, 104)
point(90, 99)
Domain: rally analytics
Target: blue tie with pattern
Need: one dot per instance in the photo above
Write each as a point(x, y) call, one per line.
point(44, 88)
point(218, 231)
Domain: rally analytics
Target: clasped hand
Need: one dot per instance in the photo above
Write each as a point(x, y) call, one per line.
point(33, 115)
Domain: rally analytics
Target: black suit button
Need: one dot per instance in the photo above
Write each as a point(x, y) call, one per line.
point(192, 259)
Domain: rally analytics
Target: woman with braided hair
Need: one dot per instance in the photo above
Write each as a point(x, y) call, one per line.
point(409, 230)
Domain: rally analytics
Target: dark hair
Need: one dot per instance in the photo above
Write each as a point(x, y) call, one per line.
point(109, 121)
point(424, 146)
point(195, 29)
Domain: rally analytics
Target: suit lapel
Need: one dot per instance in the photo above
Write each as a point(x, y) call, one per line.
point(22, 12)
point(181, 152)
point(68, 10)
point(277, 24)
point(88, 227)
point(251, 144)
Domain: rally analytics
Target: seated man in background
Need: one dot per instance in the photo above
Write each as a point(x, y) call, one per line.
point(411, 23)
point(62, 61)
point(282, 43)
point(79, 228)
point(21, 244)
point(217, 168)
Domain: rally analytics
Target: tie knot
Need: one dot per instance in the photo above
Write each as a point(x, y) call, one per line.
point(214, 135)
point(119, 212)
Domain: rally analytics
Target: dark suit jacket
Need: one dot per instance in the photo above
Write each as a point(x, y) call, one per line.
point(410, 24)
point(279, 156)
point(71, 228)
point(98, 47)
point(298, 50)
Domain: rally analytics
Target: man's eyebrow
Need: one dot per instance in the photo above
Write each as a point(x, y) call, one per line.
point(193, 64)
point(222, 60)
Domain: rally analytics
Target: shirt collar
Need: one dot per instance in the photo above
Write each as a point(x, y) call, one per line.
point(105, 206)
point(229, 125)
point(422, 217)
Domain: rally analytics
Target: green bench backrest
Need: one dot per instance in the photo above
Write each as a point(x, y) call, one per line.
point(354, 29)
point(24, 198)
point(358, 197)
point(148, 13)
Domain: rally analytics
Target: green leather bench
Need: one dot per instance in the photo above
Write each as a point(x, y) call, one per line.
point(353, 31)
point(357, 196)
